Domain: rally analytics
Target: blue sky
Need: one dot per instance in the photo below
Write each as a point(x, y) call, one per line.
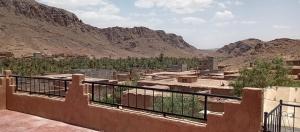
point(204, 24)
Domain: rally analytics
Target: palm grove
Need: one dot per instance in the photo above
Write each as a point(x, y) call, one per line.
point(40, 66)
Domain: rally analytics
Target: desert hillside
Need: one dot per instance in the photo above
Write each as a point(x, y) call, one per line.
point(27, 26)
point(240, 53)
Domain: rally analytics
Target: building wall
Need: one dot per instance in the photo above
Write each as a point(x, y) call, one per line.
point(293, 62)
point(75, 109)
point(208, 64)
point(189, 79)
point(139, 101)
point(295, 71)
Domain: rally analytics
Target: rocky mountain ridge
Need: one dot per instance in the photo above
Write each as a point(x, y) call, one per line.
point(240, 53)
point(27, 26)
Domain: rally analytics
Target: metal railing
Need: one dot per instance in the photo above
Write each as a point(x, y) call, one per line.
point(274, 121)
point(42, 86)
point(178, 104)
point(166, 102)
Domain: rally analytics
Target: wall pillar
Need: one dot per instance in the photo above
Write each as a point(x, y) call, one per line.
point(3, 85)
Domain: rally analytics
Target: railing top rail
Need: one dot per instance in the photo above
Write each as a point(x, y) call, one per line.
point(291, 105)
point(45, 78)
point(166, 90)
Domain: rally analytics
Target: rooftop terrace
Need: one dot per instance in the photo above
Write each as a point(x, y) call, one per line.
point(97, 105)
point(12, 121)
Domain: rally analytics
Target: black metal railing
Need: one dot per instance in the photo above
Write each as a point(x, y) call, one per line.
point(272, 120)
point(42, 86)
point(275, 120)
point(176, 104)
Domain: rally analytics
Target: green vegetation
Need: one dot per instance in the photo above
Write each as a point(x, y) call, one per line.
point(37, 66)
point(180, 104)
point(264, 74)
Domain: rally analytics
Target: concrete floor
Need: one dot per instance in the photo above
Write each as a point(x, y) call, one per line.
point(11, 121)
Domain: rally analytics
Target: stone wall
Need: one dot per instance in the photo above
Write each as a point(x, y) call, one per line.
point(75, 109)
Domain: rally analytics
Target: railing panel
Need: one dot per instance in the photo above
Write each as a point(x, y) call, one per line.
point(282, 118)
point(41, 86)
point(178, 104)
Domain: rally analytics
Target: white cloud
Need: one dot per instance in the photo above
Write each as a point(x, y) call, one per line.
point(193, 20)
point(224, 15)
point(248, 22)
point(222, 24)
point(234, 2)
point(144, 3)
point(238, 3)
point(222, 5)
point(281, 27)
point(177, 6)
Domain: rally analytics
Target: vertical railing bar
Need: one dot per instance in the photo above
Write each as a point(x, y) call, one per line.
point(106, 96)
point(17, 85)
point(144, 98)
point(294, 116)
point(128, 96)
point(120, 92)
point(49, 89)
point(44, 86)
point(153, 97)
point(65, 86)
point(59, 92)
point(30, 86)
point(21, 83)
point(162, 102)
point(280, 115)
point(113, 95)
point(39, 81)
point(172, 105)
point(34, 89)
point(93, 91)
point(100, 87)
point(205, 107)
point(136, 98)
point(276, 120)
point(182, 103)
point(193, 108)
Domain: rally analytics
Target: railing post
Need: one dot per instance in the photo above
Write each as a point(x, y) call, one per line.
point(205, 108)
point(93, 93)
point(265, 122)
point(17, 84)
point(280, 113)
point(66, 85)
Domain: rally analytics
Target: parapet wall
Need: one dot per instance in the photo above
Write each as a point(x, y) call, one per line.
point(75, 109)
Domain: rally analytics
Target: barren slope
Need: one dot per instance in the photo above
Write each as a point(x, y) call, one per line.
point(240, 53)
point(27, 27)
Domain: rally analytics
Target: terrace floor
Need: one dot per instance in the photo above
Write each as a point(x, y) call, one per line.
point(11, 121)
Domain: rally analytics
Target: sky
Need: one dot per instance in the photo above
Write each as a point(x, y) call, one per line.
point(205, 24)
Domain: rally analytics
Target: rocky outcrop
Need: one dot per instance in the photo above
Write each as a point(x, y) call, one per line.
point(35, 10)
point(40, 28)
point(255, 46)
point(241, 53)
point(241, 47)
point(117, 35)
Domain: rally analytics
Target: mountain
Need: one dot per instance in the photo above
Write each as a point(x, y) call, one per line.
point(27, 26)
point(241, 53)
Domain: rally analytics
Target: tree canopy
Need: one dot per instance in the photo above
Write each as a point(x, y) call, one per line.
point(263, 74)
